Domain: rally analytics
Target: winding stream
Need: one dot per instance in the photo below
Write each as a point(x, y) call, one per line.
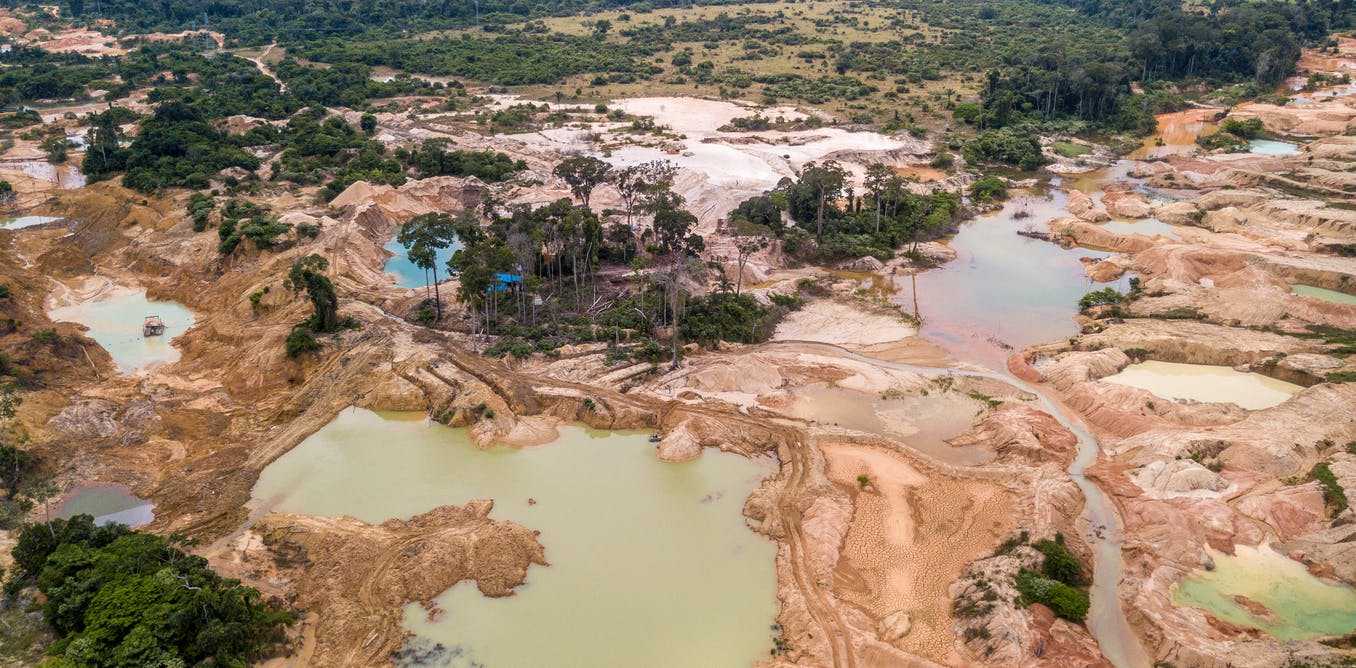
point(1106, 620)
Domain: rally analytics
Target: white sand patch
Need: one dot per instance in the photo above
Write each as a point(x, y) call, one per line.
point(841, 324)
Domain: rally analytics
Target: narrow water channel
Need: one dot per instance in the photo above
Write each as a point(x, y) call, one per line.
point(1106, 619)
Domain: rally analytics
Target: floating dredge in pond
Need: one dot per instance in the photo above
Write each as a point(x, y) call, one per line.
point(152, 326)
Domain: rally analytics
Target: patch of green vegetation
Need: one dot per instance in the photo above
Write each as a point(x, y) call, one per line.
point(1012, 543)
point(989, 189)
point(116, 597)
point(1065, 601)
point(300, 341)
point(1333, 493)
point(1015, 146)
point(507, 59)
point(1180, 313)
point(1103, 297)
point(985, 399)
point(828, 229)
point(200, 208)
point(1060, 564)
point(1342, 340)
point(26, 637)
point(1069, 150)
point(244, 220)
point(725, 316)
point(175, 147)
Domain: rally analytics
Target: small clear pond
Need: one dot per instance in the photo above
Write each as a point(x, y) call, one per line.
point(409, 276)
point(1199, 382)
point(1324, 294)
point(652, 563)
point(1298, 605)
point(107, 503)
point(1147, 226)
point(1271, 147)
point(27, 221)
point(114, 320)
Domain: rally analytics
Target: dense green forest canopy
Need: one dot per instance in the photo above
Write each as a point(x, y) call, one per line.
point(1029, 60)
point(118, 597)
point(261, 21)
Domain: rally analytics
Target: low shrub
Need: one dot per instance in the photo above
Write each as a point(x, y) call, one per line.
point(1065, 601)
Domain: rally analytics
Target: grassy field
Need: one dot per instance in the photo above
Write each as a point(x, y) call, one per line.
point(1070, 150)
point(821, 23)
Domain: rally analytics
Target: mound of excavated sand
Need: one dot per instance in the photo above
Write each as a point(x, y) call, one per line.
point(842, 325)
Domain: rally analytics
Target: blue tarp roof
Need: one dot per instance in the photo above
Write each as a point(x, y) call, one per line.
point(502, 281)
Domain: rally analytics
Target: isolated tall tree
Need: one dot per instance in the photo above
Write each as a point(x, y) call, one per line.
point(749, 239)
point(583, 175)
point(307, 276)
point(673, 224)
point(675, 270)
point(10, 399)
point(877, 180)
point(637, 183)
point(104, 154)
point(422, 238)
point(476, 263)
point(828, 181)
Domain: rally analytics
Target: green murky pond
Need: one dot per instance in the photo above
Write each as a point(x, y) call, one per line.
point(1298, 605)
point(106, 503)
point(1199, 382)
point(1324, 294)
point(652, 563)
point(114, 320)
point(923, 423)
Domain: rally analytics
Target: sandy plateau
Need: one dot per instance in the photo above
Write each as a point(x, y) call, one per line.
point(886, 555)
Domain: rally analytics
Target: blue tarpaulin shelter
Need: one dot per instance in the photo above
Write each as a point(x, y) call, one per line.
point(503, 281)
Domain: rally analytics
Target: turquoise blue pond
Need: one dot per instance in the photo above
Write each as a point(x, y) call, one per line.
point(114, 320)
point(409, 276)
point(1269, 147)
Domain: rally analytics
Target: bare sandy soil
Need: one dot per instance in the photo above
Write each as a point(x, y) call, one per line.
point(842, 324)
point(911, 536)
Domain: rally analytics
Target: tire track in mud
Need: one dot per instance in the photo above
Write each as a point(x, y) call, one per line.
point(1107, 621)
point(793, 452)
point(816, 601)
